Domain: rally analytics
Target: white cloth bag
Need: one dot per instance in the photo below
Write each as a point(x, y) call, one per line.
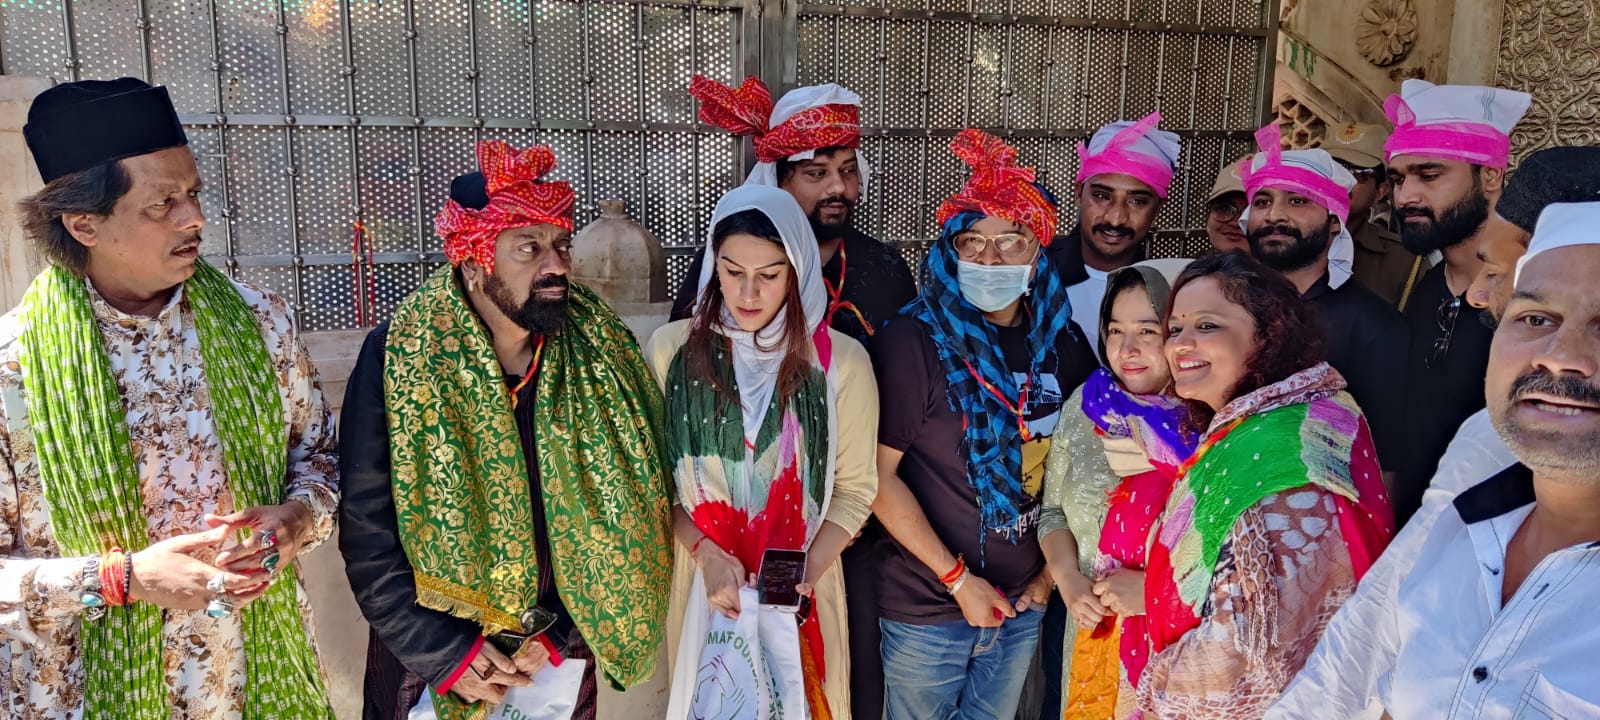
point(553, 696)
point(737, 669)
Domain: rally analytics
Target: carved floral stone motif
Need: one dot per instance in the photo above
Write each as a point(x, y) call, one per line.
point(1386, 31)
point(1551, 49)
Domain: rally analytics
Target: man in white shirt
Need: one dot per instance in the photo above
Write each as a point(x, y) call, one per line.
point(1493, 617)
point(1124, 173)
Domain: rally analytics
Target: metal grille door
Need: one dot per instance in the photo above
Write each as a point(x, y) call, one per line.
point(307, 116)
point(1045, 74)
point(313, 118)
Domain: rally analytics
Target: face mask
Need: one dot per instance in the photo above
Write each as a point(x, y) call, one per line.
point(992, 287)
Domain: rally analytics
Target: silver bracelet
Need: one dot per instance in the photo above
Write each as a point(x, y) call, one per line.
point(955, 586)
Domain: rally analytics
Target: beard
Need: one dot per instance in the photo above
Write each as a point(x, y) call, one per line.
point(828, 229)
point(1297, 256)
point(1544, 448)
point(1457, 223)
point(535, 314)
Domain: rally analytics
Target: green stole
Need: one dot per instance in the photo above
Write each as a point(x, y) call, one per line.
point(92, 487)
point(461, 487)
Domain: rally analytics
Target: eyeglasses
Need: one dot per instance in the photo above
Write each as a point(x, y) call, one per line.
point(1362, 174)
point(1225, 211)
point(1449, 310)
point(1010, 245)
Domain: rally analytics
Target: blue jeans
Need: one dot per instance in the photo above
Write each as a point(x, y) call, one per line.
point(953, 671)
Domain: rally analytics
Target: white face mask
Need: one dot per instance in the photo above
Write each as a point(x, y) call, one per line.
point(992, 287)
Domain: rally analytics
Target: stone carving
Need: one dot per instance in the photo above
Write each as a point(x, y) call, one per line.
point(1386, 31)
point(1301, 126)
point(1551, 49)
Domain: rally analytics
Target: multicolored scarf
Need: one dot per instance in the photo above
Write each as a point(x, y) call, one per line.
point(754, 483)
point(992, 440)
point(92, 486)
point(1155, 421)
point(461, 481)
point(1301, 431)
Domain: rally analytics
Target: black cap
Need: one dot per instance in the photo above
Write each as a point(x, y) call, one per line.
point(1553, 175)
point(75, 126)
point(470, 191)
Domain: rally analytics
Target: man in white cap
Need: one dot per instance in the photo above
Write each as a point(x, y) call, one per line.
point(1124, 173)
point(1447, 158)
point(1495, 615)
point(808, 144)
point(1297, 224)
point(1382, 263)
point(1224, 205)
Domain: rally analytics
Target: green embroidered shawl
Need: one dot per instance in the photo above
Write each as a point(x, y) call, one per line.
point(91, 484)
point(461, 482)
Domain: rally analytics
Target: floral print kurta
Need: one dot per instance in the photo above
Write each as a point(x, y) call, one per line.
point(157, 365)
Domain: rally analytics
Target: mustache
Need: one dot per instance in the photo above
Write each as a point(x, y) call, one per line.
point(836, 200)
point(1565, 387)
point(1266, 230)
point(1109, 228)
point(1415, 211)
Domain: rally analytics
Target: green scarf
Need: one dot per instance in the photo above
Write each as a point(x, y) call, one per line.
point(91, 485)
point(461, 482)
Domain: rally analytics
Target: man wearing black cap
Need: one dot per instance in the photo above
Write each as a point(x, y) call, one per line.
point(152, 413)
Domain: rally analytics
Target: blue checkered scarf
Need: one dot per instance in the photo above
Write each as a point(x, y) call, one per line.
point(992, 443)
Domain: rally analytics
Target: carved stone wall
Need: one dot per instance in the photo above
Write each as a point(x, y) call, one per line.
point(1551, 49)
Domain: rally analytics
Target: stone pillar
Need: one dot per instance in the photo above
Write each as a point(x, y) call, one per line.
point(19, 262)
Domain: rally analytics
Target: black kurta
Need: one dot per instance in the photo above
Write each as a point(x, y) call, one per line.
point(1366, 341)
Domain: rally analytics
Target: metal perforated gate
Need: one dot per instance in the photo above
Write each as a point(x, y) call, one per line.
point(313, 118)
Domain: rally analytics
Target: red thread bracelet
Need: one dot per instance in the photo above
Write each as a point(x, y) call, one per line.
point(696, 546)
point(955, 573)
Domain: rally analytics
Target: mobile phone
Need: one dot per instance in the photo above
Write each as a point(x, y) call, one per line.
point(781, 571)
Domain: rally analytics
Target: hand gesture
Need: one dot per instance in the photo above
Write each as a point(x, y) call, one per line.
point(173, 573)
point(1122, 590)
point(1083, 605)
point(724, 576)
point(488, 677)
point(981, 604)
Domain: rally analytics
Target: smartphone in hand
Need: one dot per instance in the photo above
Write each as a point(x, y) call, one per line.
point(781, 571)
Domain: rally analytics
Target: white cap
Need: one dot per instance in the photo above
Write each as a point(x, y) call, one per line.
point(1562, 225)
point(1433, 104)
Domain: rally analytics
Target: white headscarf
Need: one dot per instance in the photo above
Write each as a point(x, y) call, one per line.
point(797, 101)
point(756, 369)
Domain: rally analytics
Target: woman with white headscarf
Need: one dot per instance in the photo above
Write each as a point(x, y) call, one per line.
point(771, 428)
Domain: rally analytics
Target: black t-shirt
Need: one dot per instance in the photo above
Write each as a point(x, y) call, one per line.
point(915, 417)
point(876, 280)
point(1366, 341)
point(1438, 399)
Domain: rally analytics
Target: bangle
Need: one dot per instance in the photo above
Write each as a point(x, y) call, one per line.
point(960, 581)
point(111, 577)
point(955, 572)
point(127, 578)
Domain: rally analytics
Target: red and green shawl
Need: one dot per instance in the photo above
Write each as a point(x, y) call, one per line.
point(1301, 431)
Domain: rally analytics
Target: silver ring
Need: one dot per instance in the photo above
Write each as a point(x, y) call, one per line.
point(218, 583)
point(269, 562)
point(269, 539)
point(219, 607)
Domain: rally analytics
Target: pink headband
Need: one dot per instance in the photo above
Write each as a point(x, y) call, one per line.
point(1474, 143)
point(1118, 158)
point(1274, 174)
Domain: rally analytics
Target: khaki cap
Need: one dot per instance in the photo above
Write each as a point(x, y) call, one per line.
point(1227, 182)
point(1359, 144)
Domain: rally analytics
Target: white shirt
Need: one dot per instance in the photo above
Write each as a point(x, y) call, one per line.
point(1341, 677)
point(1450, 649)
point(1086, 297)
